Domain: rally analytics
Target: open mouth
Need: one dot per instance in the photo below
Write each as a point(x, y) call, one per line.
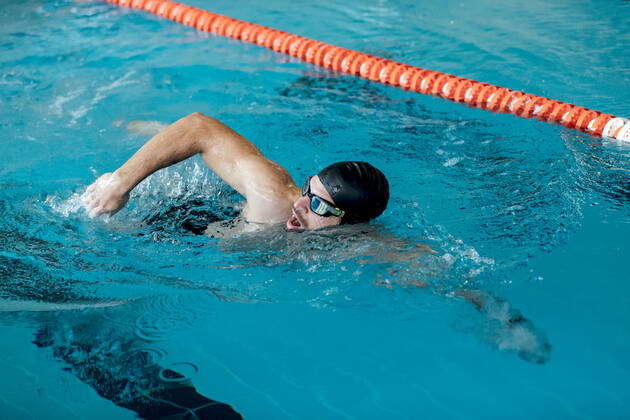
point(294, 223)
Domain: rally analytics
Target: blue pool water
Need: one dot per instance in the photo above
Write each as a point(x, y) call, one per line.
point(99, 318)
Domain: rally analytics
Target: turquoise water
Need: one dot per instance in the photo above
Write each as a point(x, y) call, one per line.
point(96, 316)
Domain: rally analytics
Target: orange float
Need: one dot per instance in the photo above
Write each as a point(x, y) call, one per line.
point(458, 89)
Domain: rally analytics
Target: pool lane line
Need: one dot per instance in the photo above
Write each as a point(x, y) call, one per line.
point(457, 89)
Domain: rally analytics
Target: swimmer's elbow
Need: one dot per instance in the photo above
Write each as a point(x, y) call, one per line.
point(199, 128)
point(203, 127)
point(195, 116)
point(199, 120)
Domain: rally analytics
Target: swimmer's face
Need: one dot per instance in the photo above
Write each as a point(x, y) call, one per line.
point(303, 217)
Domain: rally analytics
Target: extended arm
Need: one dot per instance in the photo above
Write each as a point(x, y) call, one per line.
point(266, 185)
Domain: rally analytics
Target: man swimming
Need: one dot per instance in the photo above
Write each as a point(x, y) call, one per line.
point(344, 192)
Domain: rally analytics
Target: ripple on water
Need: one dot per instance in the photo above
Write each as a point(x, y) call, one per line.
point(164, 316)
point(178, 372)
point(149, 355)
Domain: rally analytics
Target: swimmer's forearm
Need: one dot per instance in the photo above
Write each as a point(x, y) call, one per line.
point(175, 143)
point(267, 187)
point(226, 152)
point(221, 148)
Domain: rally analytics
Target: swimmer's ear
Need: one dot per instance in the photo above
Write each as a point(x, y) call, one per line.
point(146, 128)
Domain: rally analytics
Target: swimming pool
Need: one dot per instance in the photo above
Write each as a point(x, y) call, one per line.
point(99, 313)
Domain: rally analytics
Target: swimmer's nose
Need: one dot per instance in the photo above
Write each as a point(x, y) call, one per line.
point(302, 205)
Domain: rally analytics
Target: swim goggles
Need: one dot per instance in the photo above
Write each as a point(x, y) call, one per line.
point(320, 206)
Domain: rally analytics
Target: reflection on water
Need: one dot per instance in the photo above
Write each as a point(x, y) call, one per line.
point(124, 367)
point(601, 166)
point(110, 345)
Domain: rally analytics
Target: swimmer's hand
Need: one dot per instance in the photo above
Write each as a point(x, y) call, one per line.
point(105, 196)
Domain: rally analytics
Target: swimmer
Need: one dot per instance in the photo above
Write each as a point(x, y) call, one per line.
point(342, 193)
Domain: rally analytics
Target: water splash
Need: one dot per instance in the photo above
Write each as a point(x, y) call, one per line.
point(71, 206)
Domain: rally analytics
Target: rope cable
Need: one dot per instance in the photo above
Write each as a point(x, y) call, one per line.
point(378, 69)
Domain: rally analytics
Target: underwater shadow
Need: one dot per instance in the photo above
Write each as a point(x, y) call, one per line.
point(92, 339)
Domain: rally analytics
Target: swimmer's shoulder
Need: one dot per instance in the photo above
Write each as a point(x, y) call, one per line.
point(271, 205)
point(262, 210)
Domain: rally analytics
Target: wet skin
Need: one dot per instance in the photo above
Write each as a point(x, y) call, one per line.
point(271, 195)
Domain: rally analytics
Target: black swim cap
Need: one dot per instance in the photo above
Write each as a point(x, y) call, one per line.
point(357, 188)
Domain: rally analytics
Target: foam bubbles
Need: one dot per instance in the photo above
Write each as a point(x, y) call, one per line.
point(452, 161)
point(73, 205)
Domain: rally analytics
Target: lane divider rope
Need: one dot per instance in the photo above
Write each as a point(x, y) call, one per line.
point(457, 89)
